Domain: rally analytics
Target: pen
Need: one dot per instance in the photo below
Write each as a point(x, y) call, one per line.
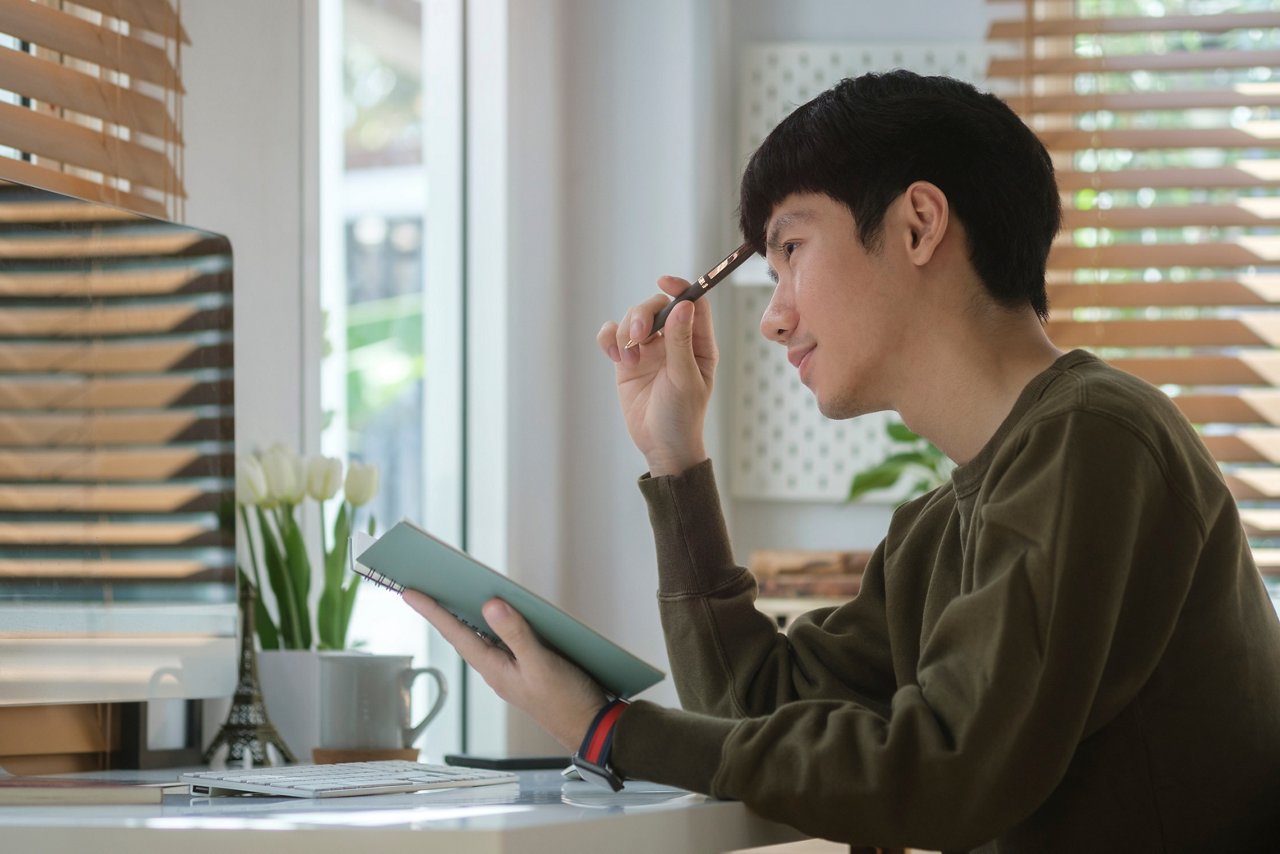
point(705, 282)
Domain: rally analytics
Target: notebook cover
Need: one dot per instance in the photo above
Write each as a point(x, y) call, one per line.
point(410, 556)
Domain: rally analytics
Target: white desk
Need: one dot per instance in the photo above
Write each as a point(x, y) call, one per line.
point(542, 815)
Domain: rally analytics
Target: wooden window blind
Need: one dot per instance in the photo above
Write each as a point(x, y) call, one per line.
point(90, 100)
point(1163, 120)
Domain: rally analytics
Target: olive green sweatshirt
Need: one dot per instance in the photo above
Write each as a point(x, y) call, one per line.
point(1065, 648)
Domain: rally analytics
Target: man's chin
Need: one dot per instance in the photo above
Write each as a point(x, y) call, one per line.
point(843, 408)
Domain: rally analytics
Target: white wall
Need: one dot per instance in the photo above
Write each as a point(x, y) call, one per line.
point(244, 153)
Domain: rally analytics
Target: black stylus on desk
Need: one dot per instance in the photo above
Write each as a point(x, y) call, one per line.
point(704, 283)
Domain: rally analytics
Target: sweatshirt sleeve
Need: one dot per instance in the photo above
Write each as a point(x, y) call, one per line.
point(727, 658)
point(1082, 556)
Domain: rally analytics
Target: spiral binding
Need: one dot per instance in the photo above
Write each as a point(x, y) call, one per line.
point(380, 580)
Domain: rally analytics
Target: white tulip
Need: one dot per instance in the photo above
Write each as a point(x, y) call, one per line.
point(324, 476)
point(362, 483)
point(251, 481)
point(286, 475)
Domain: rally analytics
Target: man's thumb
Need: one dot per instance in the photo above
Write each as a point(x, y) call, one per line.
point(508, 625)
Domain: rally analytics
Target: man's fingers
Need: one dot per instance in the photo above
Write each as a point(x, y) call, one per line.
point(673, 285)
point(638, 320)
point(475, 649)
point(607, 339)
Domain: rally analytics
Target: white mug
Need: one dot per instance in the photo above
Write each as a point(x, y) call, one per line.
point(366, 701)
point(346, 701)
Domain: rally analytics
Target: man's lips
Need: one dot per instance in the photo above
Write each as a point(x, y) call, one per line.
point(796, 356)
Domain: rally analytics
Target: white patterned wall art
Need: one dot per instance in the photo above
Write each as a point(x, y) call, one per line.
point(781, 447)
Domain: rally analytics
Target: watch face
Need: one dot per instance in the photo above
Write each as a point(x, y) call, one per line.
point(598, 775)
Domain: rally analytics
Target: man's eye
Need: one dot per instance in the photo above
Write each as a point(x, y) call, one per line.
point(788, 248)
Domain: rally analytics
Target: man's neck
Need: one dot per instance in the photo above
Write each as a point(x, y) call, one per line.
point(968, 377)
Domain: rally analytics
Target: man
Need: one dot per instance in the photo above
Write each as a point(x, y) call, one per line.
point(1065, 648)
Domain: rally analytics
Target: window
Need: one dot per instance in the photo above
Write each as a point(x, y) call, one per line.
point(1163, 119)
point(391, 295)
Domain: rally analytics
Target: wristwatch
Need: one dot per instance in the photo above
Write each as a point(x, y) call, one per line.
point(592, 758)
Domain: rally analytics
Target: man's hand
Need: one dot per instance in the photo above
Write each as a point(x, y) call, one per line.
point(557, 695)
point(664, 385)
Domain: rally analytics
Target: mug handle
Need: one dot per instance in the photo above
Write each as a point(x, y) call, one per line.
point(411, 732)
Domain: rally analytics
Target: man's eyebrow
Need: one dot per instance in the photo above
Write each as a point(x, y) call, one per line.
point(787, 219)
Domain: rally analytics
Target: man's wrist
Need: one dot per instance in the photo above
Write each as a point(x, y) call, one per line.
point(593, 757)
point(665, 466)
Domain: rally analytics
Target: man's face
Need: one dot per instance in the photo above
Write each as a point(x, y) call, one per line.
point(835, 307)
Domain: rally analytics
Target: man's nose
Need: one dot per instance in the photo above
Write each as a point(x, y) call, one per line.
point(778, 320)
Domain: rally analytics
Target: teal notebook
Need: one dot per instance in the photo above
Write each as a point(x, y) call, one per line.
point(407, 556)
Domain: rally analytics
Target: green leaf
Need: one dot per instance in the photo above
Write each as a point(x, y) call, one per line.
point(348, 608)
point(299, 570)
point(328, 610)
point(882, 476)
point(899, 432)
point(281, 584)
point(332, 629)
point(263, 626)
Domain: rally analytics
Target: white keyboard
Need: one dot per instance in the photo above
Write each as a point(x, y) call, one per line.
point(342, 779)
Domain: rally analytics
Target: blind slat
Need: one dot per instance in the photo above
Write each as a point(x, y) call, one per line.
point(102, 569)
point(1245, 212)
point(174, 534)
point(96, 244)
point(1266, 95)
point(61, 431)
point(96, 498)
point(1197, 60)
point(1072, 26)
point(61, 32)
point(159, 463)
point(1244, 252)
point(154, 15)
point(1247, 174)
point(134, 282)
point(67, 88)
point(1250, 445)
point(1199, 292)
point(108, 357)
point(1228, 409)
point(1259, 135)
point(98, 320)
point(1262, 369)
point(105, 394)
point(67, 142)
point(1199, 332)
point(73, 185)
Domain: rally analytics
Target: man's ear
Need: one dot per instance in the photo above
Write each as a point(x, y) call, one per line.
point(926, 213)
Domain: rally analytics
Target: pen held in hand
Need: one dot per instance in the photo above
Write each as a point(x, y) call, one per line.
point(704, 283)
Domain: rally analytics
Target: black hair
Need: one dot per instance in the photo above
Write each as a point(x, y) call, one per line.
point(866, 139)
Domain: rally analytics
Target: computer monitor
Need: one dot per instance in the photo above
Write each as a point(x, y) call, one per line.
point(117, 536)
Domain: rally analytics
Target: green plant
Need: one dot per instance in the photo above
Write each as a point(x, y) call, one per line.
point(915, 457)
point(271, 490)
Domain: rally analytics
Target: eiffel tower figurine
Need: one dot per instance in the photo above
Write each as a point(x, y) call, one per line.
point(247, 726)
